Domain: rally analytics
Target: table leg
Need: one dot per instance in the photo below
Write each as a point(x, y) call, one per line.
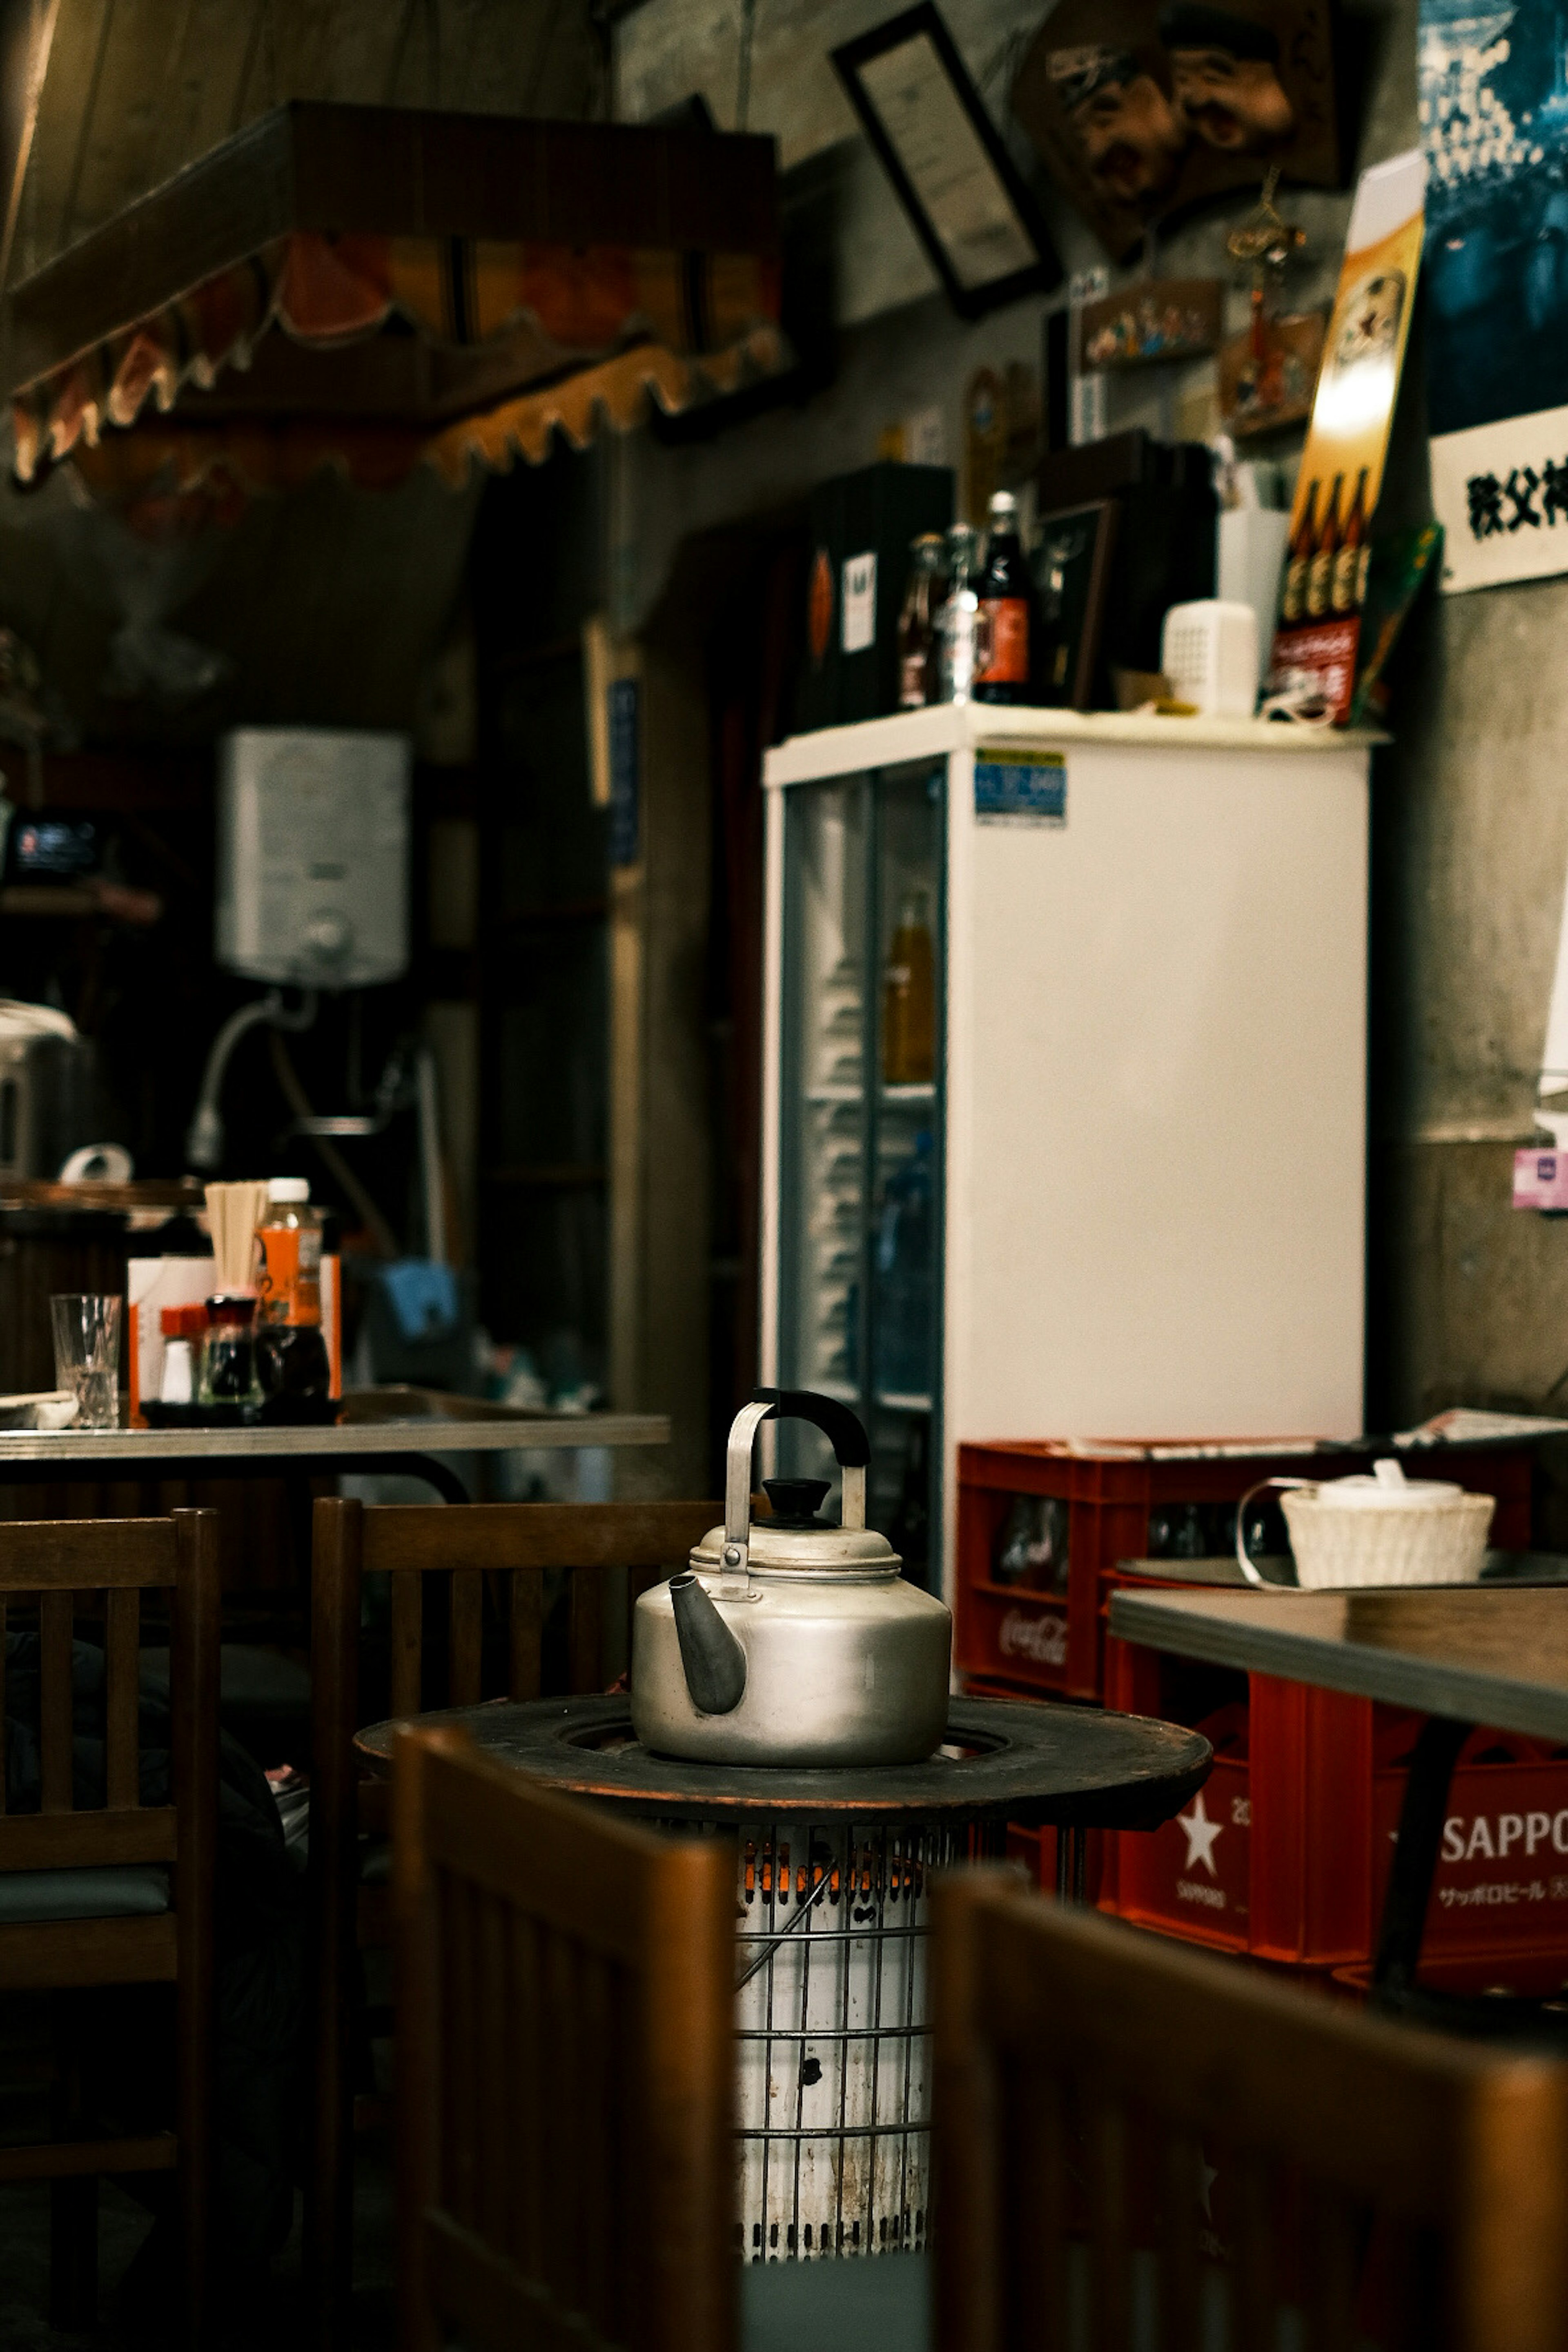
point(1070, 1856)
point(1415, 1853)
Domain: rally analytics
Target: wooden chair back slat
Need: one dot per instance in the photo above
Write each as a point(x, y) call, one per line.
point(1369, 2182)
point(55, 1705)
point(1180, 2286)
point(466, 1629)
point(526, 1679)
point(615, 2018)
point(85, 1554)
point(407, 1641)
point(122, 1644)
point(585, 1637)
point(497, 1536)
point(95, 1838)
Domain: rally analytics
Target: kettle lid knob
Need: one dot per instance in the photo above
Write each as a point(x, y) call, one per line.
point(796, 1500)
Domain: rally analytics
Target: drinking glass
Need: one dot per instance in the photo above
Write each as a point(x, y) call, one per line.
point(87, 1354)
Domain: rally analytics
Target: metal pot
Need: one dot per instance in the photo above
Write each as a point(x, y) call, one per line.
point(791, 1641)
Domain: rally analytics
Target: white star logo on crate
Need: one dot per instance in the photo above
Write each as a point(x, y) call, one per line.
point(1201, 1835)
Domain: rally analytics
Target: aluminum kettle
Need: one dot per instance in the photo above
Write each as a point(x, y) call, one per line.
point(789, 1640)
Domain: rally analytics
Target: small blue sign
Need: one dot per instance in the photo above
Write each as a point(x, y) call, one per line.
point(626, 760)
point(1020, 786)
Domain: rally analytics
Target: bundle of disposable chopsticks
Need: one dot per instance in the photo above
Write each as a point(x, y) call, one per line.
point(234, 1211)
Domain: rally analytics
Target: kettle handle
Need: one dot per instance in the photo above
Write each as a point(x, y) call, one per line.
point(843, 1429)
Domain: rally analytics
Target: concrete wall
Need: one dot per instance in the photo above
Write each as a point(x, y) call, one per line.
point(1468, 1301)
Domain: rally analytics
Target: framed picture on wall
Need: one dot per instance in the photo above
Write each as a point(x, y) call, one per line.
point(967, 200)
point(1072, 573)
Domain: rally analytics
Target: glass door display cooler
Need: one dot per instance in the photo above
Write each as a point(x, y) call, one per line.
point(859, 1128)
point(1064, 1088)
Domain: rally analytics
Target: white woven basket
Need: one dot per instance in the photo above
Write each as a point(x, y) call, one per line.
point(1427, 1542)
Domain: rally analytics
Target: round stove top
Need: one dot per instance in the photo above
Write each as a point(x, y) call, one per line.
point(1077, 1767)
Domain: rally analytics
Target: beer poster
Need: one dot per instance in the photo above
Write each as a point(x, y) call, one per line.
point(1347, 441)
point(1494, 121)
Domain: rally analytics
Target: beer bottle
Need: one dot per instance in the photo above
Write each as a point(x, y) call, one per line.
point(1350, 562)
point(1007, 597)
point(909, 997)
point(1320, 573)
point(1293, 604)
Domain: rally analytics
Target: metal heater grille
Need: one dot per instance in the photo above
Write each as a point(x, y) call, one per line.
point(833, 2028)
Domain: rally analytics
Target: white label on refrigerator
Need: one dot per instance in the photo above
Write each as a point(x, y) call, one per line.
point(1016, 785)
point(859, 602)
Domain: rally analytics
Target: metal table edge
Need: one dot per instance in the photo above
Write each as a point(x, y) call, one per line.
point(1397, 1677)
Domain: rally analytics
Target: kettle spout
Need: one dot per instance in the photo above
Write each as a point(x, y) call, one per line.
point(714, 1662)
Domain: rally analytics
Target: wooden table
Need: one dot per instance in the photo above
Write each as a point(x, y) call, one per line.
point(1462, 1654)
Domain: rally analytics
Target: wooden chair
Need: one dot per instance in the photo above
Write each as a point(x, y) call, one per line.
point(1388, 2185)
point(504, 1549)
point(95, 1906)
point(565, 2067)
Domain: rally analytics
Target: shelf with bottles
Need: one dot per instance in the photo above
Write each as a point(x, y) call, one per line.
point(898, 1400)
point(907, 1094)
point(835, 1094)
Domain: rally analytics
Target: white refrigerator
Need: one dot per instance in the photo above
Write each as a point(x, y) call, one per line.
point(1124, 1197)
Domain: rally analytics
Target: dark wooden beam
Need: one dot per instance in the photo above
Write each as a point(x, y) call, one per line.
point(394, 172)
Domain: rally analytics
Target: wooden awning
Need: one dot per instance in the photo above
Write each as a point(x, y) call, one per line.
point(377, 286)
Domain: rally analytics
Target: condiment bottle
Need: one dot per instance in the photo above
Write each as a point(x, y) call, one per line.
point(1007, 596)
point(228, 1350)
point(908, 998)
point(291, 1350)
point(920, 680)
point(183, 1328)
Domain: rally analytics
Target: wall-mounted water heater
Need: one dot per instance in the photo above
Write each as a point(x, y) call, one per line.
point(312, 855)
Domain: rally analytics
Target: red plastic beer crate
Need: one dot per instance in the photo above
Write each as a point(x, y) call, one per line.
point(1284, 1851)
point(1051, 1637)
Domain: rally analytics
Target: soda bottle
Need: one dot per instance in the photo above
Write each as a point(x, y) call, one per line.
point(1008, 599)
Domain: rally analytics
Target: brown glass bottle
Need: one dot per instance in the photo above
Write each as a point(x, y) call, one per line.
point(919, 668)
point(1350, 562)
point(908, 998)
point(1321, 575)
point(1293, 603)
point(1007, 597)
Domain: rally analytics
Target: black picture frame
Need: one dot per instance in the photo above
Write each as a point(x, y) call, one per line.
point(1072, 608)
point(970, 302)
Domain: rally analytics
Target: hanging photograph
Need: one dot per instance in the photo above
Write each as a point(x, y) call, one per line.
point(1494, 123)
point(1162, 319)
point(966, 201)
point(1143, 107)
